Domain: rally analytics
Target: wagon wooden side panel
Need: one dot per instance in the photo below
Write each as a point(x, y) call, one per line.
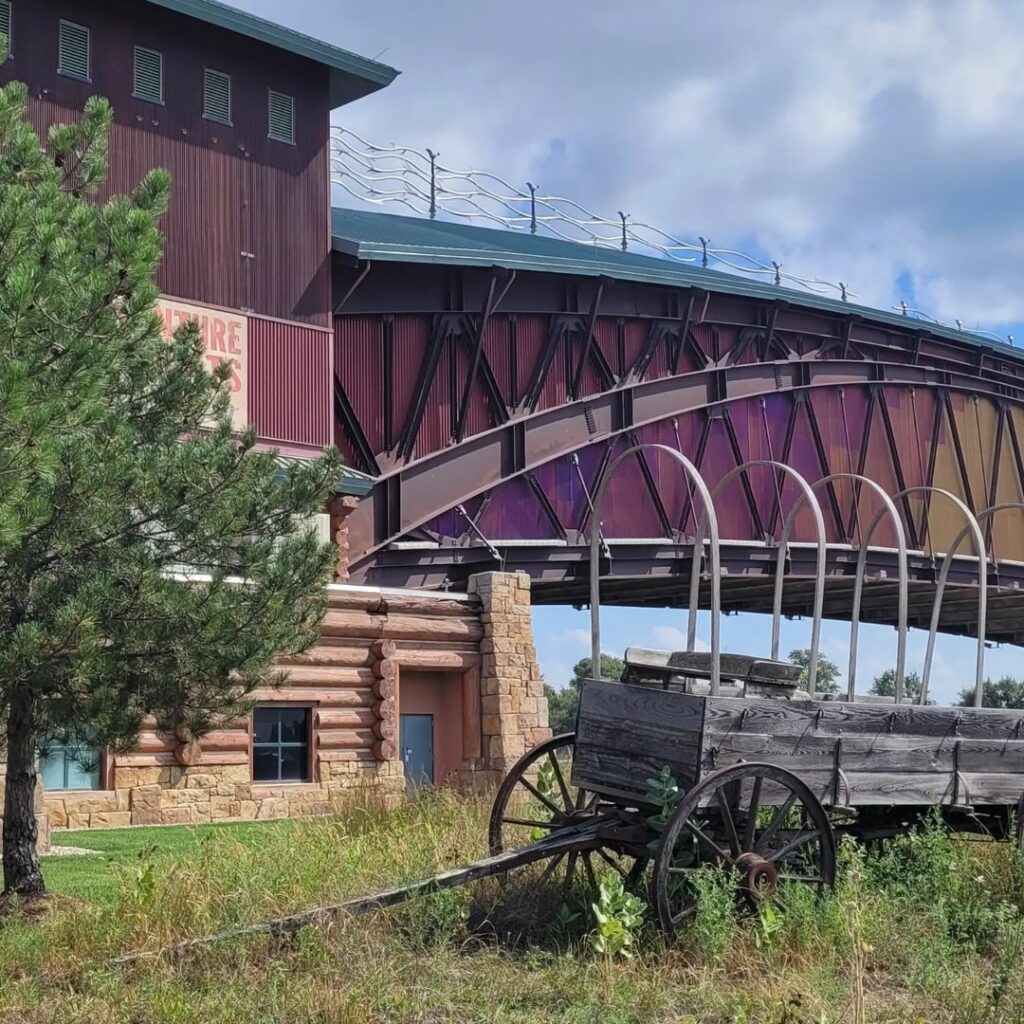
point(874, 755)
point(627, 734)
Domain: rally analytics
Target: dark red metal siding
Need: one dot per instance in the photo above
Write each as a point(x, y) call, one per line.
point(290, 383)
point(234, 190)
point(359, 365)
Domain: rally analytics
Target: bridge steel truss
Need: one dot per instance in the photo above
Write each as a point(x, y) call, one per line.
point(488, 403)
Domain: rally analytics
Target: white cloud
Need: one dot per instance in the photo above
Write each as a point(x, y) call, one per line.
point(850, 141)
point(674, 639)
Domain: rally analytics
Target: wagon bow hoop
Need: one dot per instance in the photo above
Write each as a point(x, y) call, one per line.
point(693, 474)
point(807, 495)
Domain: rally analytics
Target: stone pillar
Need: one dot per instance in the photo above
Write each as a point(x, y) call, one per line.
point(513, 706)
point(340, 509)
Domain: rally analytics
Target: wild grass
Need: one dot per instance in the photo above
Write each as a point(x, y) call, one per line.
point(930, 930)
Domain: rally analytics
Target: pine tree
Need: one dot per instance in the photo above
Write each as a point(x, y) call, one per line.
point(112, 478)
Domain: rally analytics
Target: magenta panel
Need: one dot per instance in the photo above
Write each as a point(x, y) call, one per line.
point(290, 383)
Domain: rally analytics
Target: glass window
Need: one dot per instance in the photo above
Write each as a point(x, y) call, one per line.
point(73, 56)
point(67, 763)
point(280, 747)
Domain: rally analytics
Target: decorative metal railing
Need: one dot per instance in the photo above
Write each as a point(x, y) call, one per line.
point(416, 179)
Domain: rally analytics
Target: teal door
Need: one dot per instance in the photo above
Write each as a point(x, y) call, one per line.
point(417, 742)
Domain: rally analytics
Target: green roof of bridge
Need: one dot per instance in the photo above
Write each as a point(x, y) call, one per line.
point(351, 76)
point(370, 235)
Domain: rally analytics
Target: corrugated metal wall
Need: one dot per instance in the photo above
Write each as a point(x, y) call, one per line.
point(290, 384)
point(234, 190)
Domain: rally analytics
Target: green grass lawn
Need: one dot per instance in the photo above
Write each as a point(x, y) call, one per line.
point(96, 877)
point(930, 931)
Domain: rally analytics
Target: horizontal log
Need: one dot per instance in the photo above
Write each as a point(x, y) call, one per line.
point(385, 689)
point(326, 697)
point(406, 627)
point(156, 743)
point(386, 709)
point(348, 718)
point(401, 604)
point(165, 759)
point(386, 668)
point(326, 675)
point(343, 655)
point(384, 728)
point(344, 739)
point(384, 648)
point(437, 659)
point(226, 739)
point(385, 750)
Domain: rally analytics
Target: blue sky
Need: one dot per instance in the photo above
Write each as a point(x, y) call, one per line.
point(879, 143)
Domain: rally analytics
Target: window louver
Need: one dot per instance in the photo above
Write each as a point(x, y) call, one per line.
point(5, 23)
point(281, 117)
point(73, 56)
point(148, 83)
point(217, 96)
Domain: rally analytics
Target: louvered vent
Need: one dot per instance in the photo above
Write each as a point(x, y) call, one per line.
point(73, 58)
point(282, 117)
point(217, 96)
point(5, 23)
point(149, 75)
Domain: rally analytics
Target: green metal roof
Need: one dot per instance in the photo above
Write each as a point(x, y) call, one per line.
point(352, 76)
point(370, 235)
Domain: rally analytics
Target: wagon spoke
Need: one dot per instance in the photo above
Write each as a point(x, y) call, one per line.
point(530, 824)
point(794, 844)
point(591, 877)
point(551, 868)
point(609, 859)
point(808, 879)
point(727, 819)
point(707, 841)
point(755, 805)
point(775, 824)
point(685, 871)
point(570, 870)
point(556, 811)
point(683, 914)
point(561, 780)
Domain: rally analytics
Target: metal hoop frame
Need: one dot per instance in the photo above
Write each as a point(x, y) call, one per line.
point(979, 547)
point(901, 541)
point(947, 563)
point(694, 475)
point(807, 497)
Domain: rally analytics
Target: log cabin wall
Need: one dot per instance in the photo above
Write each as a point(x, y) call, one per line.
point(475, 650)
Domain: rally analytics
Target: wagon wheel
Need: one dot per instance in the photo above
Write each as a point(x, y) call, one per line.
point(757, 820)
point(535, 799)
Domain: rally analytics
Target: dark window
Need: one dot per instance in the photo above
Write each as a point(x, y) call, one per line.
point(281, 117)
point(67, 763)
point(280, 744)
point(73, 57)
point(216, 96)
point(5, 23)
point(148, 80)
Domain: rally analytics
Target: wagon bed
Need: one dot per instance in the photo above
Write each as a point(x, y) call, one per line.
point(849, 754)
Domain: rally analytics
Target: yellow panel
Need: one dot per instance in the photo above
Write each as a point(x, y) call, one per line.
point(977, 424)
point(1008, 527)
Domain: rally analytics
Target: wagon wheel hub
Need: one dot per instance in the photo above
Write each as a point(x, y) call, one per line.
point(759, 877)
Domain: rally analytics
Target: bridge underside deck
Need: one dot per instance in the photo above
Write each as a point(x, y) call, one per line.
point(651, 574)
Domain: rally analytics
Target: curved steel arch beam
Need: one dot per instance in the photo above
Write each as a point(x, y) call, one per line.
point(595, 555)
point(819, 575)
point(901, 540)
point(409, 495)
